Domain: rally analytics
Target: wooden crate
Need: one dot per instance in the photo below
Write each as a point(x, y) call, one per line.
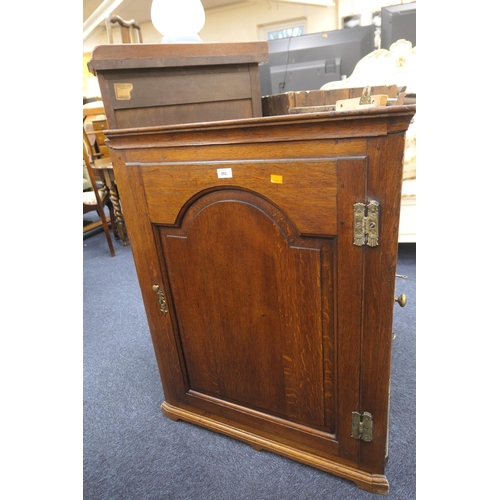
point(281, 104)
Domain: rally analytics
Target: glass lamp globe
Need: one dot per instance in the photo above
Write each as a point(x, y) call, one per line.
point(179, 21)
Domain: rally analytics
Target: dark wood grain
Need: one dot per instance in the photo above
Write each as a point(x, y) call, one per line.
point(178, 83)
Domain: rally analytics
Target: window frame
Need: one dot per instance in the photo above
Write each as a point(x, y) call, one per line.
point(266, 29)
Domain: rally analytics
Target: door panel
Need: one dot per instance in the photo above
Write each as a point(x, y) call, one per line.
point(251, 281)
point(269, 329)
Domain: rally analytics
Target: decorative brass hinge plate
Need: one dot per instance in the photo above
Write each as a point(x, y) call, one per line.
point(366, 224)
point(362, 426)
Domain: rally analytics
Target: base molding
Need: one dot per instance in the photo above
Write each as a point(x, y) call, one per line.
point(374, 483)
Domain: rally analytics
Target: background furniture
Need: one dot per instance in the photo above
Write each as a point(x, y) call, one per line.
point(94, 123)
point(394, 66)
point(306, 62)
point(87, 183)
point(162, 84)
point(267, 279)
point(129, 30)
point(96, 127)
point(102, 170)
point(93, 108)
point(408, 219)
point(97, 198)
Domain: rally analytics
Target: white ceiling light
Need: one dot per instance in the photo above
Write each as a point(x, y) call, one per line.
point(178, 21)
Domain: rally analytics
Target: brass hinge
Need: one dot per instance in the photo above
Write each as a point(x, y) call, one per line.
point(366, 224)
point(362, 426)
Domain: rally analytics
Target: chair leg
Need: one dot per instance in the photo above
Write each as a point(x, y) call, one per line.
point(106, 231)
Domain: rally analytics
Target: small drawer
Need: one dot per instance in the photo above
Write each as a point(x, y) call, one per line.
point(100, 125)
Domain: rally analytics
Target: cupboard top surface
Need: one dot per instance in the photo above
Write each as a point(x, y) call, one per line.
point(371, 122)
point(130, 56)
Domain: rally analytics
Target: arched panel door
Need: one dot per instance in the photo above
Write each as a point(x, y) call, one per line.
point(266, 319)
point(256, 322)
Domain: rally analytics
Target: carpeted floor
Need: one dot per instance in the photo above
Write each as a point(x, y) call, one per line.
point(132, 452)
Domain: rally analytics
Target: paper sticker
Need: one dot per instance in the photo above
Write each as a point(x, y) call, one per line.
point(224, 173)
point(276, 179)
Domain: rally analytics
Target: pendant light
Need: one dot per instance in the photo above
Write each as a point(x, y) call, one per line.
point(178, 21)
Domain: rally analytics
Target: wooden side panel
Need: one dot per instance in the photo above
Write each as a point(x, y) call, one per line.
point(170, 86)
point(385, 175)
point(148, 97)
point(148, 266)
point(184, 113)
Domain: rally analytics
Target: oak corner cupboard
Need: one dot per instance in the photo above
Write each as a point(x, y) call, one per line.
point(266, 253)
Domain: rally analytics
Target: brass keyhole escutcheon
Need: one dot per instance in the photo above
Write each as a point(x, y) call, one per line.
point(401, 300)
point(161, 299)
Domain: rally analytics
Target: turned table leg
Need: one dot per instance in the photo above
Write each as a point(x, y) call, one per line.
point(109, 180)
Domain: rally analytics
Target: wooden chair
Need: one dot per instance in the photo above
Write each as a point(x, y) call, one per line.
point(102, 168)
point(97, 198)
point(126, 29)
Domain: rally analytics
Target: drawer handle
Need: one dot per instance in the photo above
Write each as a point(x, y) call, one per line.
point(161, 299)
point(401, 300)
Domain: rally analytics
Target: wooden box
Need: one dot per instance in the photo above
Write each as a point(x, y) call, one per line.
point(282, 104)
point(162, 84)
point(266, 253)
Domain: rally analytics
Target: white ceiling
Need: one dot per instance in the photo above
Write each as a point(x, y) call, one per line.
point(140, 10)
